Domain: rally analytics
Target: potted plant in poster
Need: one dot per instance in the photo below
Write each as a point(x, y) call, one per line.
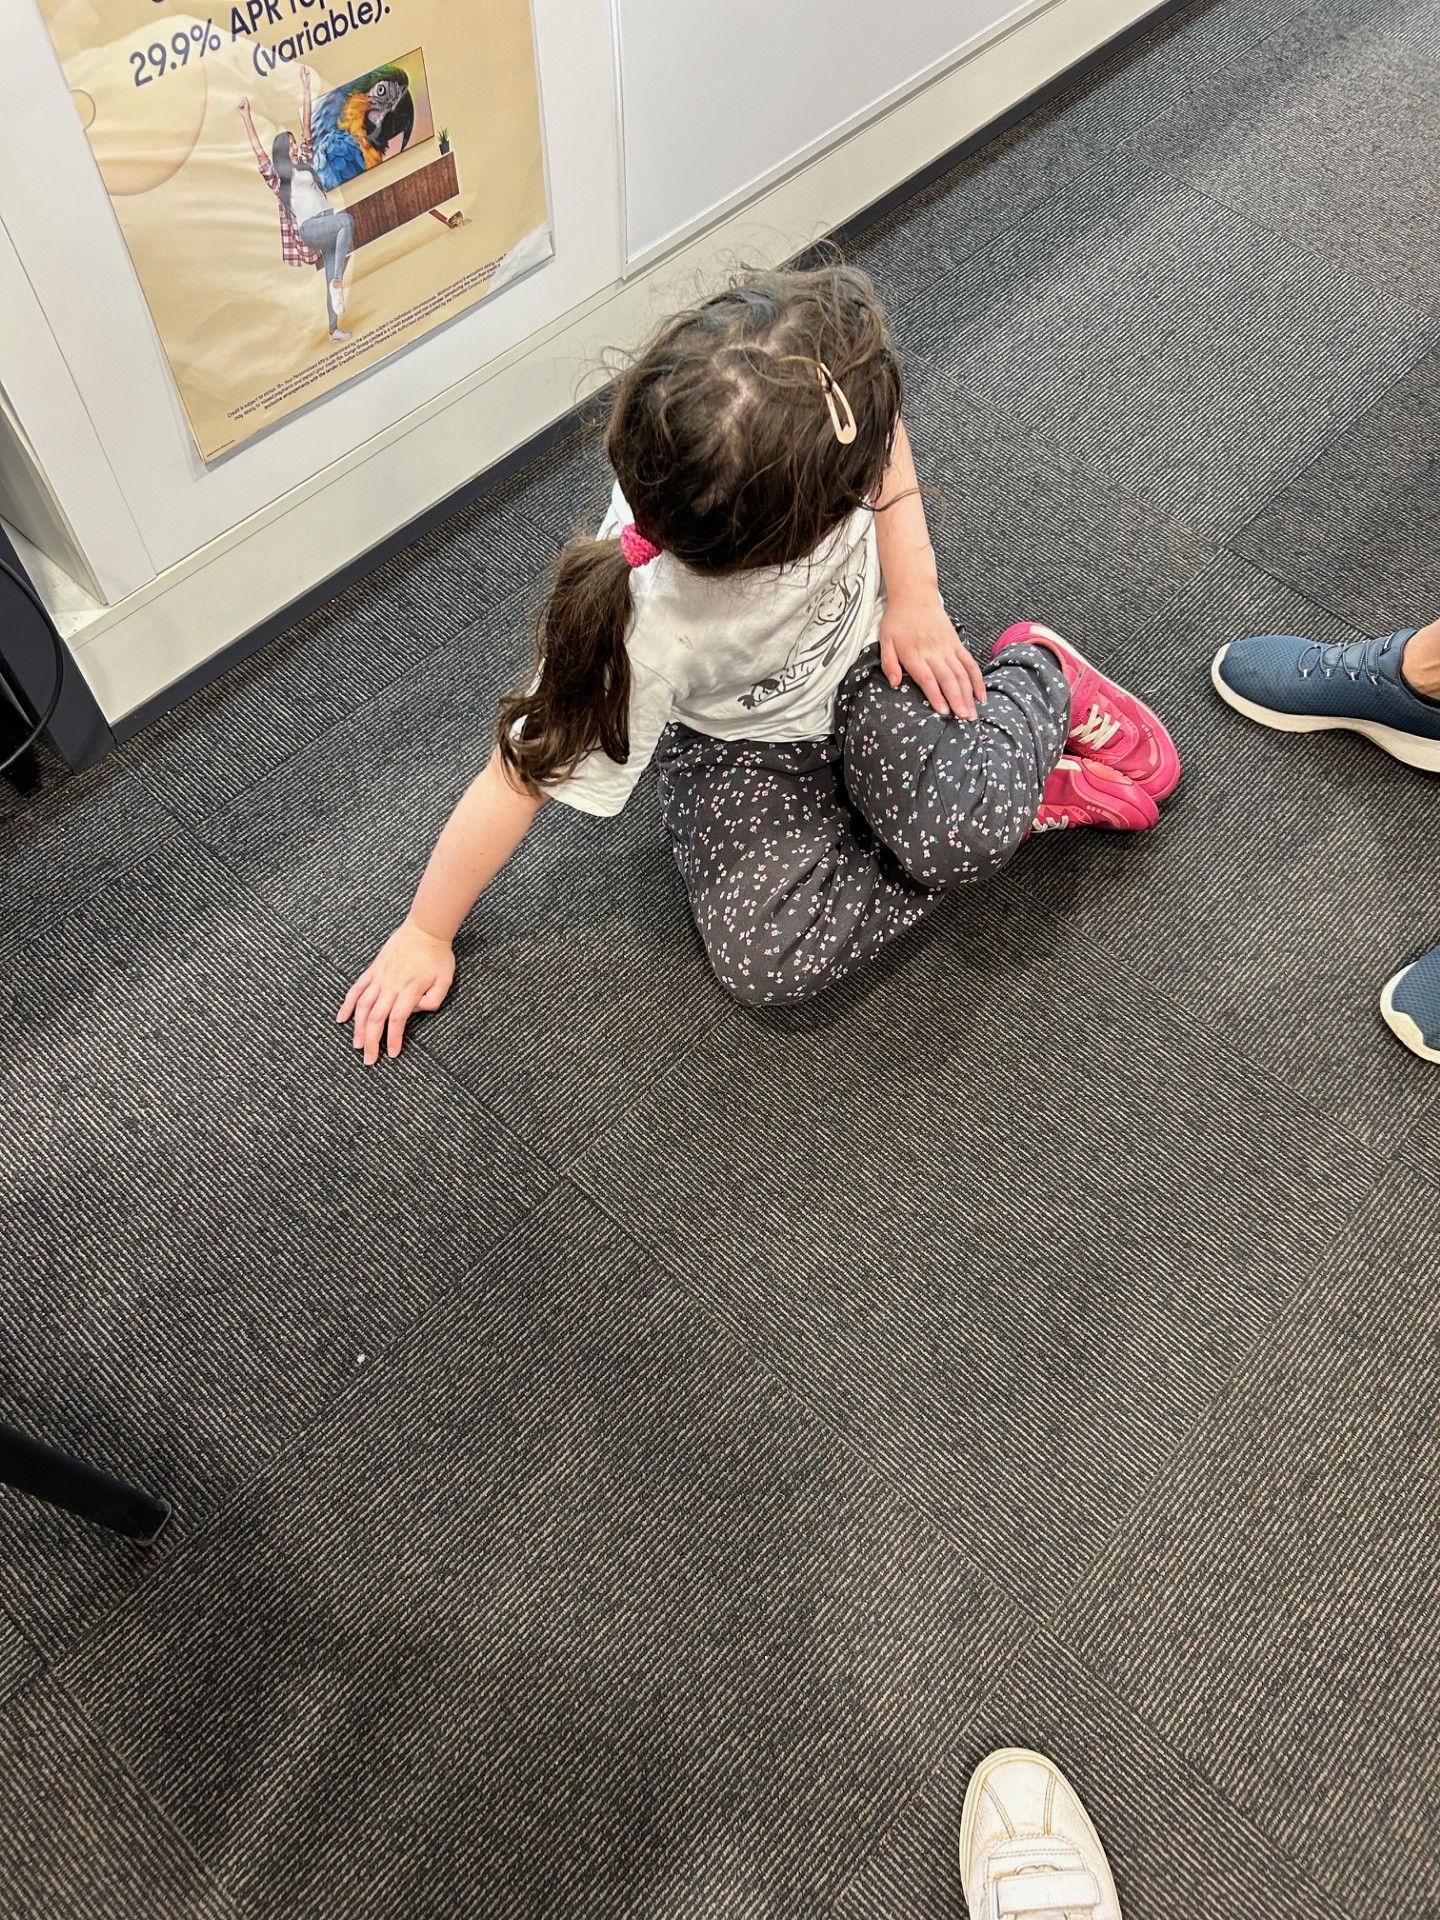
point(444, 140)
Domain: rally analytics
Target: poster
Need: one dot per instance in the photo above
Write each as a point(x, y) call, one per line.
point(307, 186)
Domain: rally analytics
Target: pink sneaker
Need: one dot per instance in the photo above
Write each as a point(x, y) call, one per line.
point(1107, 724)
point(1091, 793)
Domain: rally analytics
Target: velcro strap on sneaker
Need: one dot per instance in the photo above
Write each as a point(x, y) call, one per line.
point(1042, 1892)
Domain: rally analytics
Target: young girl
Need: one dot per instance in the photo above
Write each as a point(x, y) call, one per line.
point(312, 233)
point(760, 613)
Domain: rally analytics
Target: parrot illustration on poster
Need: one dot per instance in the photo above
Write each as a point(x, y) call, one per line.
point(356, 126)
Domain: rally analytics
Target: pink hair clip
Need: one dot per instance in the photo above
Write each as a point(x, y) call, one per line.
point(636, 548)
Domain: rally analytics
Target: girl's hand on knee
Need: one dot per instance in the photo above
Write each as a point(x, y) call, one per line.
point(919, 639)
point(411, 973)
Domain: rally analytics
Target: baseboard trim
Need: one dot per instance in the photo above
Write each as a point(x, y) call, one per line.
point(216, 665)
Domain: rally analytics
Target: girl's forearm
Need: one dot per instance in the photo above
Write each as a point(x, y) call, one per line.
point(481, 834)
point(907, 560)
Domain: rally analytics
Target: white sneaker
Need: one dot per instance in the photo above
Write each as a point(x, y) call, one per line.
point(1027, 1848)
point(337, 297)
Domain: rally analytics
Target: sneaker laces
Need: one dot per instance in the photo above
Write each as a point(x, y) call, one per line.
point(1097, 729)
point(1356, 659)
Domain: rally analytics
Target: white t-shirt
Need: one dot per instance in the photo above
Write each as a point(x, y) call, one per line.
point(745, 656)
point(307, 196)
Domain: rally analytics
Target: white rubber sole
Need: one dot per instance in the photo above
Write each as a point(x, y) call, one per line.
point(1400, 1024)
point(1411, 748)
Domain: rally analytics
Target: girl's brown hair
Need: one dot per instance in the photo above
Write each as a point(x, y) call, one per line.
point(723, 443)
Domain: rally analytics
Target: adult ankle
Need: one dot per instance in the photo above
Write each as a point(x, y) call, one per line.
point(1420, 662)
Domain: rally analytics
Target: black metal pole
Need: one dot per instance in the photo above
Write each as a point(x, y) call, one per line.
point(32, 1468)
point(78, 730)
point(22, 774)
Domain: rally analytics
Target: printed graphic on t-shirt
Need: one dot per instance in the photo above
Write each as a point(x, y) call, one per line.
point(825, 634)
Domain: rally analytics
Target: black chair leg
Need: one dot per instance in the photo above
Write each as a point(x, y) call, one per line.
point(35, 1469)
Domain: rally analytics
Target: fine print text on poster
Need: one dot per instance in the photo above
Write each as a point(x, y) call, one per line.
point(306, 186)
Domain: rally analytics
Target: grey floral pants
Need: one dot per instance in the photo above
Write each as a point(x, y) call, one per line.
point(803, 859)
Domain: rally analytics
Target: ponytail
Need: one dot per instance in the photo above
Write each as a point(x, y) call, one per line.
point(580, 698)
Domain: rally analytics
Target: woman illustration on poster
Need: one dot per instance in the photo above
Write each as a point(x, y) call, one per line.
point(312, 233)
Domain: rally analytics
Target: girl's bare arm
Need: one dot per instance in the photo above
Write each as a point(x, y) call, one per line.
point(249, 125)
point(916, 635)
point(907, 558)
point(416, 965)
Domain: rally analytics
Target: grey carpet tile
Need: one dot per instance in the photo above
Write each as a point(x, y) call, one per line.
point(1271, 1606)
point(1138, 324)
point(337, 838)
point(579, 973)
point(596, 1621)
point(1419, 1149)
point(284, 698)
point(567, 489)
point(212, 1219)
point(936, 229)
point(1024, 532)
point(1282, 877)
point(81, 1841)
point(19, 1661)
point(1178, 1849)
point(1359, 529)
point(1327, 133)
point(475, 560)
point(969, 1208)
point(582, 979)
point(230, 734)
point(228, 737)
point(62, 842)
point(1355, 908)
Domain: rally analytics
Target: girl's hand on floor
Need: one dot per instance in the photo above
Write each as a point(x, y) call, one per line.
point(412, 972)
point(920, 640)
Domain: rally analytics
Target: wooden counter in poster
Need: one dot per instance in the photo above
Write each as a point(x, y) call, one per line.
point(420, 192)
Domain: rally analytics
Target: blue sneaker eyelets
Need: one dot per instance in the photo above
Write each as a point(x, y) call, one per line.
point(1359, 688)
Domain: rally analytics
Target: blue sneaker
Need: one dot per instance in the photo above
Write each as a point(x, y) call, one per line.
point(1302, 686)
point(1411, 1005)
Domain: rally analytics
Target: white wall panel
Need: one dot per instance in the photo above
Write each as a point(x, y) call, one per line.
point(718, 99)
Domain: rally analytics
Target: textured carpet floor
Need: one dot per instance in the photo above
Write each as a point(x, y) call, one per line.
point(632, 1457)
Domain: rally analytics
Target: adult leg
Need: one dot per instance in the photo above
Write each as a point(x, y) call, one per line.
point(1420, 662)
point(952, 799)
point(789, 889)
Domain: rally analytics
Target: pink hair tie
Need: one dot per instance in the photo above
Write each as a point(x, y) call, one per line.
point(636, 548)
